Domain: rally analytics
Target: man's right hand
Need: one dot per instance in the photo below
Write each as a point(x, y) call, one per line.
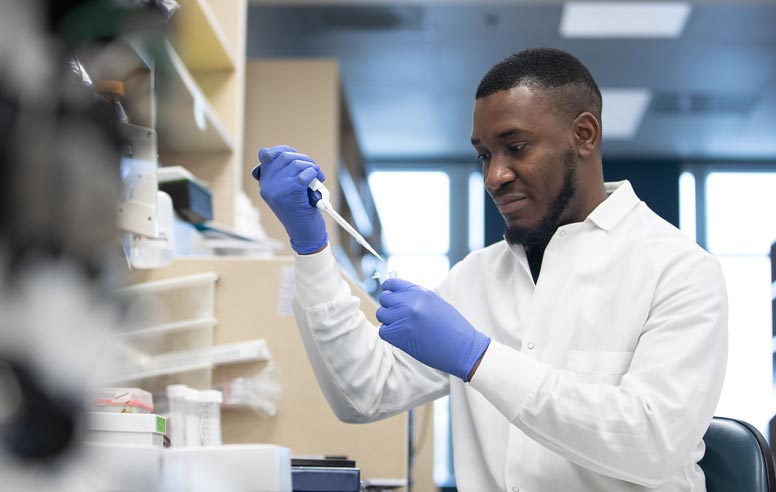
point(285, 174)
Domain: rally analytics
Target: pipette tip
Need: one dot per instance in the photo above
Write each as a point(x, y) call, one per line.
point(373, 252)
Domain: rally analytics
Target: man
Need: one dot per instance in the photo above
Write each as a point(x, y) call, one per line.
point(585, 352)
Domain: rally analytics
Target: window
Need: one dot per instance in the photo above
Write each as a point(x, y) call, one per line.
point(423, 236)
point(735, 219)
point(476, 212)
point(414, 208)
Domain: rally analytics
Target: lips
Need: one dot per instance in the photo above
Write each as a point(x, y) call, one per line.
point(511, 202)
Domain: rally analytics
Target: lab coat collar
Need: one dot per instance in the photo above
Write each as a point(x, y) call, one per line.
point(621, 199)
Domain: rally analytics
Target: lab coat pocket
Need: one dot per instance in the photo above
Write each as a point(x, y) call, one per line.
point(598, 367)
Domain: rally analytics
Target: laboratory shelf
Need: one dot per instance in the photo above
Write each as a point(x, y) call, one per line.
point(199, 38)
point(166, 365)
point(169, 327)
point(186, 121)
point(241, 352)
point(184, 281)
point(146, 367)
point(186, 299)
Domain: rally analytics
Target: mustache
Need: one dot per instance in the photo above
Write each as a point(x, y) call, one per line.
point(508, 191)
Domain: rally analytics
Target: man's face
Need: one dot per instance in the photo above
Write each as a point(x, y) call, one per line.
point(528, 162)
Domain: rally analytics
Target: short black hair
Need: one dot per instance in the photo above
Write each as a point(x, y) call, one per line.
point(546, 69)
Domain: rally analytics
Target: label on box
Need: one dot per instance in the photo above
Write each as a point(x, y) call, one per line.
point(161, 425)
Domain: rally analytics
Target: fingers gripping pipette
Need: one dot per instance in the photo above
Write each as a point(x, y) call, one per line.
point(318, 196)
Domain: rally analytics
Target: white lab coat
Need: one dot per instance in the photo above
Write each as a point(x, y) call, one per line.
point(601, 377)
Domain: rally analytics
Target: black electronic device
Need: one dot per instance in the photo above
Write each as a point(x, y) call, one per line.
point(191, 200)
point(325, 474)
point(327, 462)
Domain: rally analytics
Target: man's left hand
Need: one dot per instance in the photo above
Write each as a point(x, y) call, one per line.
point(429, 329)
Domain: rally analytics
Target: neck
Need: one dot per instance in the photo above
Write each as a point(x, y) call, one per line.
point(535, 254)
point(591, 191)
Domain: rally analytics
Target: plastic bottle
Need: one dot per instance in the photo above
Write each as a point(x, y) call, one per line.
point(193, 435)
point(176, 396)
point(113, 92)
point(210, 417)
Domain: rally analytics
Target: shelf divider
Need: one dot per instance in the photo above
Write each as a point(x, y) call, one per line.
point(199, 38)
point(186, 120)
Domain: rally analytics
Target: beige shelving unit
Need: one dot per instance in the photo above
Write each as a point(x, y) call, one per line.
point(200, 35)
point(189, 121)
point(200, 102)
point(189, 85)
point(200, 97)
point(252, 301)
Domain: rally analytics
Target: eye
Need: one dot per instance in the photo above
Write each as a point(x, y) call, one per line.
point(483, 158)
point(515, 148)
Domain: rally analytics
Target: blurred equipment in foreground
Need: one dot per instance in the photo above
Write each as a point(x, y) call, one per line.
point(61, 149)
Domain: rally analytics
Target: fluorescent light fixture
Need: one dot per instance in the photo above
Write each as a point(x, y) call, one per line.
point(624, 19)
point(623, 111)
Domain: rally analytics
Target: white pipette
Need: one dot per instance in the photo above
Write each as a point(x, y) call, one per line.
point(318, 196)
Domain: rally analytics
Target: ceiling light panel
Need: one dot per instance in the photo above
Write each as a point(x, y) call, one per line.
point(623, 110)
point(624, 19)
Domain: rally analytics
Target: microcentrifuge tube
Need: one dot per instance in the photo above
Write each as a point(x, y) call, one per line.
point(382, 278)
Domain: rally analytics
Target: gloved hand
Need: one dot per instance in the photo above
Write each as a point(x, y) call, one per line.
point(285, 174)
point(429, 329)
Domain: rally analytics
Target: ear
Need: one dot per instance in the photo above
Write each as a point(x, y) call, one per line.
point(587, 134)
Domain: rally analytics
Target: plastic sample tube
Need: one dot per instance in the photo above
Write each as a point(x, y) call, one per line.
point(210, 417)
point(382, 278)
point(176, 420)
point(193, 436)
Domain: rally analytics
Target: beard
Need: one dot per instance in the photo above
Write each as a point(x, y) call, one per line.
point(542, 232)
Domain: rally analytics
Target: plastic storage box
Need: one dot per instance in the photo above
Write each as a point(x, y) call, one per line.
point(234, 467)
point(168, 349)
point(172, 337)
point(123, 400)
point(127, 428)
point(121, 467)
point(172, 300)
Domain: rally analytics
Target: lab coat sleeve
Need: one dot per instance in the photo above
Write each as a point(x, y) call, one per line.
point(363, 378)
point(643, 429)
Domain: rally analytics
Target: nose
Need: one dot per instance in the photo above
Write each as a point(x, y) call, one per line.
point(498, 173)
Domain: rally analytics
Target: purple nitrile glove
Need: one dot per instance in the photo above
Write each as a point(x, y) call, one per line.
point(285, 174)
point(421, 323)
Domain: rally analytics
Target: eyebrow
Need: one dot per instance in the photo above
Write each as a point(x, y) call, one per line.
point(501, 136)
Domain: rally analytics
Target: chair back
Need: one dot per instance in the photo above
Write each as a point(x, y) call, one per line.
point(737, 458)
